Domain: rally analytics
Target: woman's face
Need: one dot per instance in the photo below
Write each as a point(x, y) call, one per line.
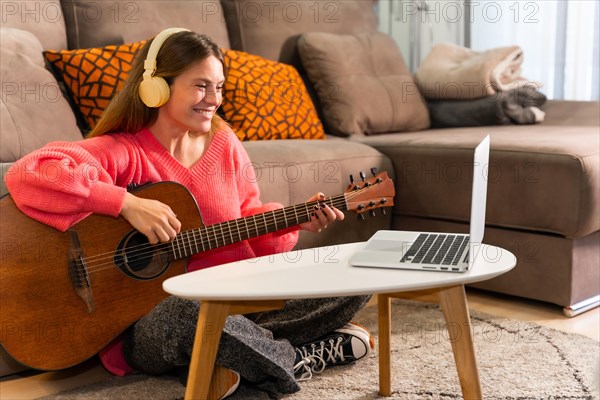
point(195, 96)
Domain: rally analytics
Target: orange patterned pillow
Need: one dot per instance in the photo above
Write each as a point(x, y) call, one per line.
point(93, 76)
point(264, 99)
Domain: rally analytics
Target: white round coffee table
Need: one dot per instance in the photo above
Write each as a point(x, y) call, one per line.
point(264, 283)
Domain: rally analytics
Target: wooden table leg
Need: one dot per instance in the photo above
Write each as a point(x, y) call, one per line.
point(385, 350)
point(453, 302)
point(205, 380)
point(206, 342)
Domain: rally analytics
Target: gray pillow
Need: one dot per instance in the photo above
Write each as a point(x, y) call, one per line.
point(362, 83)
point(33, 111)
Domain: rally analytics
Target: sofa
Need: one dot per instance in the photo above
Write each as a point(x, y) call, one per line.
point(543, 195)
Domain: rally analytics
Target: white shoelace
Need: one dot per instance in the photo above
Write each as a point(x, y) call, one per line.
point(316, 361)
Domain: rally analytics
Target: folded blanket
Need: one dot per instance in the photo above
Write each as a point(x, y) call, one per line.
point(517, 106)
point(454, 72)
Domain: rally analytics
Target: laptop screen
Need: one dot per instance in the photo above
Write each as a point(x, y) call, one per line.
point(479, 195)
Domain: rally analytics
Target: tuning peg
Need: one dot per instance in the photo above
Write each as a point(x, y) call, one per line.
point(360, 217)
point(383, 212)
point(374, 171)
point(355, 187)
point(372, 212)
point(362, 175)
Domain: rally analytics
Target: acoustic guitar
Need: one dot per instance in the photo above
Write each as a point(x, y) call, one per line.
point(66, 295)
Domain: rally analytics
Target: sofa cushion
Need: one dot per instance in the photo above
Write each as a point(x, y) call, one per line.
point(93, 76)
point(363, 84)
point(93, 23)
point(264, 99)
point(543, 178)
point(33, 111)
point(43, 18)
point(291, 171)
point(272, 29)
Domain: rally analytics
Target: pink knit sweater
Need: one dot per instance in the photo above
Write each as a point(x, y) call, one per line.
point(63, 183)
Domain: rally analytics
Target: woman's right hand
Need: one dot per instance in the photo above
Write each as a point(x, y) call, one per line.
point(154, 219)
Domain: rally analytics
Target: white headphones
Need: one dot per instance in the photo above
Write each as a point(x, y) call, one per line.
point(153, 90)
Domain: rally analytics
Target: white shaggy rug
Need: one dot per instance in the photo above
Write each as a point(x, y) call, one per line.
point(517, 360)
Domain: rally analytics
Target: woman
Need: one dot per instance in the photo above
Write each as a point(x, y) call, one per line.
point(149, 136)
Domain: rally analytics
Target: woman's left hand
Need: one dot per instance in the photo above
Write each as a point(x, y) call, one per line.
point(321, 216)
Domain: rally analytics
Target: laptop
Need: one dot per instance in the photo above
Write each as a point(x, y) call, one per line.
point(433, 251)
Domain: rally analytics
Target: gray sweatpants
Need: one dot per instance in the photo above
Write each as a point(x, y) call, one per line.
point(258, 346)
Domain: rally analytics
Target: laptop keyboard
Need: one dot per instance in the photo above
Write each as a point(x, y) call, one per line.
point(439, 249)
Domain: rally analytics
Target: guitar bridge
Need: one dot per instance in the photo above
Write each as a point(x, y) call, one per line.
point(78, 273)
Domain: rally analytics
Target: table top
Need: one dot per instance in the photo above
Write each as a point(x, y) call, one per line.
point(323, 272)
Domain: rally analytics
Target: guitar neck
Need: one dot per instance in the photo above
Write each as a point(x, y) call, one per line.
point(209, 237)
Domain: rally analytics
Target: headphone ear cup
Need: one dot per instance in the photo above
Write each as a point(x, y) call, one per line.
point(154, 91)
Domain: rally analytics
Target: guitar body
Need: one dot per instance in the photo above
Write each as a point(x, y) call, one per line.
point(66, 295)
point(45, 323)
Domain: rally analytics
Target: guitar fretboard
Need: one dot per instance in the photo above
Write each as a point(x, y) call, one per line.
point(210, 237)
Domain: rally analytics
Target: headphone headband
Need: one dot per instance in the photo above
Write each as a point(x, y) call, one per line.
point(157, 42)
point(153, 90)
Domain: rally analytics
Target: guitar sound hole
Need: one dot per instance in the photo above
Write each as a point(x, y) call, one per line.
point(138, 255)
point(139, 259)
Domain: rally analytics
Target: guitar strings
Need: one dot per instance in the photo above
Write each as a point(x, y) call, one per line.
point(105, 260)
point(338, 200)
point(268, 214)
point(165, 248)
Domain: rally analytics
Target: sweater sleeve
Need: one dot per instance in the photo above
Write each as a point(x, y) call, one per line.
point(275, 242)
point(64, 182)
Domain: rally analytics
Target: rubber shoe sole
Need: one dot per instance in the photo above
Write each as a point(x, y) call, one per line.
point(359, 326)
point(362, 342)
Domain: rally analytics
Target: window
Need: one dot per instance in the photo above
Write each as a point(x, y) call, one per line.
point(559, 38)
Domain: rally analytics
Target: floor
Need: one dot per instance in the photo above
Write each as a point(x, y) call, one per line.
point(31, 385)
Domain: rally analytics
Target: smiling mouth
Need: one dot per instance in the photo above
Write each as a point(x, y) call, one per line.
point(204, 112)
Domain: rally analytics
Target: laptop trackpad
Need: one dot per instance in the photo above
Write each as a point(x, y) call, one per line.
point(387, 245)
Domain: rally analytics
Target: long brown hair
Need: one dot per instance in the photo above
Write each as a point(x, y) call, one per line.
point(126, 112)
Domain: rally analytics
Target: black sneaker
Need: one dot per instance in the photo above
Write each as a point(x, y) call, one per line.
point(342, 346)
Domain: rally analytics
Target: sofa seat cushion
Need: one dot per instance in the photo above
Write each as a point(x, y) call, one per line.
point(291, 171)
point(541, 177)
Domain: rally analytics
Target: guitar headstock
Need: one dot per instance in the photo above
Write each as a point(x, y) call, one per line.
point(369, 194)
